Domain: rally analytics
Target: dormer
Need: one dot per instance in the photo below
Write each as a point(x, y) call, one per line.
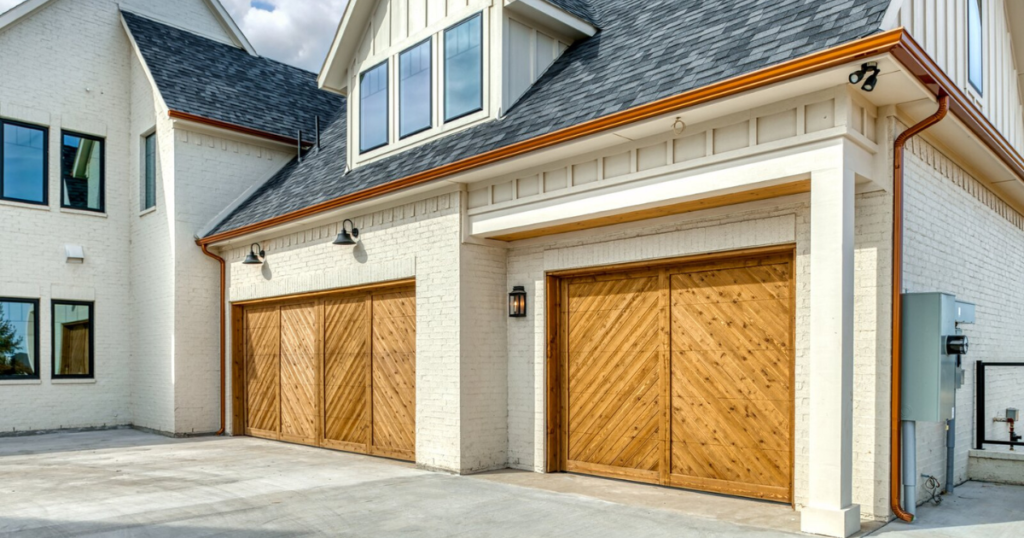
point(416, 70)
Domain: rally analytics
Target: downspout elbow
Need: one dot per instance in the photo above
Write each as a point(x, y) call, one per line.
point(223, 332)
point(897, 301)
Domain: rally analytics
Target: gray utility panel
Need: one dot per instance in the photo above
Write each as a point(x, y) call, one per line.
point(932, 348)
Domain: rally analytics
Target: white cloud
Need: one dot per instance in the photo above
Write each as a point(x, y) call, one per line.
point(296, 32)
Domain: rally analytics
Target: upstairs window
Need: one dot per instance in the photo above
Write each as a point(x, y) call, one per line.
point(373, 108)
point(975, 45)
point(463, 68)
point(81, 163)
point(414, 94)
point(19, 339)
point(23, 162)
point(148, 190)
point(72, 339)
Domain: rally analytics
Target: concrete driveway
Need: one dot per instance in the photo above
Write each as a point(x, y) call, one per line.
point(129, 483)
point(126, 482)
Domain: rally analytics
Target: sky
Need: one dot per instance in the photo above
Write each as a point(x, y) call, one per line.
point(296, 32)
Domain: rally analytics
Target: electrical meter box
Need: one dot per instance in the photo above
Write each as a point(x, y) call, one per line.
point(932, 351)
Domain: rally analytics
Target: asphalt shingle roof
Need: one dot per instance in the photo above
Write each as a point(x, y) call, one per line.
point(215, 80)
point(645, 51)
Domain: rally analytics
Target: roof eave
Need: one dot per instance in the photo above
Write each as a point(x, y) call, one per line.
point(334, 73)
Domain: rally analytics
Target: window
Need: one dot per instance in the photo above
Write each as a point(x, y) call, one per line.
point(373, 108)
point(975, 44)
point(463, 69)
point(72, 339)
point(414, 94)
point(23, 156)
point(19, 339)
point(148, 189)
point(81, 165)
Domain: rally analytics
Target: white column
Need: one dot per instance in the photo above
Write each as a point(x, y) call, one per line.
point(830, 510)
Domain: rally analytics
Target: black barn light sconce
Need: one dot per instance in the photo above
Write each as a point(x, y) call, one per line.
point(253, 258)
point(348, 234)
point(517, 302)
point(869, 70)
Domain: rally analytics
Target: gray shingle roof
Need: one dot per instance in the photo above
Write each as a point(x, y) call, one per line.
point(645, 51)
point(215, 80)
point(580, 8)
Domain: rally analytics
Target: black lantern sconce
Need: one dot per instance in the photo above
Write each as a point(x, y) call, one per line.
point(348, 234)
point(253, 258)
point(517, 302)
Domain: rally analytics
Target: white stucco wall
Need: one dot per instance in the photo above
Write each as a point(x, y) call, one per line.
point(972, 247)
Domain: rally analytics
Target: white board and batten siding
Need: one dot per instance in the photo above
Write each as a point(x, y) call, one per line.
point(941, 27)
point(529, 51)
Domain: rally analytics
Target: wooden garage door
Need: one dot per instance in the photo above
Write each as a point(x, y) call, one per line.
point(681, 376)
point(337, 371)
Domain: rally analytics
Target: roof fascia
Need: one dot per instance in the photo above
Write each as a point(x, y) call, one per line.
point(142, 60)
point(20, 11)
point(334, 73)
point(229, 24)
point(554, 17)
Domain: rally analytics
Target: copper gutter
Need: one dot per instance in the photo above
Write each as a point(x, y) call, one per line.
point(897, 299)
point(178, 115)
point(223, 333)
point(818, 61)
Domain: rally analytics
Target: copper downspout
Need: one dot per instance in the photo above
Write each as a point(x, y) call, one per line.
point(897, 299)
point(223, 323)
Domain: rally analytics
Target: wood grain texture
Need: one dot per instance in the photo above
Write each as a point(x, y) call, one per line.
point(300, 357)
point(346, 369)
point(394, 374)
point(732, 400)
point(262, 369)
point(613, 373)
point(677, 374)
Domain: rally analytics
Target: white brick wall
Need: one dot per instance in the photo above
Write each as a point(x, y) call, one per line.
point(71, 66)
point(737, 227)
point(972, 247)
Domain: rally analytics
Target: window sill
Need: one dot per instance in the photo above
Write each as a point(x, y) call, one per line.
point(72, 381)
point(4, 382)
point(145, 212)
point(83, 212)
point(25, 205)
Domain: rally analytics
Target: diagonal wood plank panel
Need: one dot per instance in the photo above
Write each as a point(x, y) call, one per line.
point(731, 390)
point(613, 374)
point(262, 348)
point(346, 369)
point(300, 410)
point(394, 374)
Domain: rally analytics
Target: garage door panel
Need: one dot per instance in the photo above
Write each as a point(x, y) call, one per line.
point(262, 330)
point(346, 369)
point(299, 372)
point(394, 373)
point(731, 389)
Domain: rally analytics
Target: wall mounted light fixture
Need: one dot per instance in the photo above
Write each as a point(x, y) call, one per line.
point(348, 234)
point(253, 258)
point(517, 302)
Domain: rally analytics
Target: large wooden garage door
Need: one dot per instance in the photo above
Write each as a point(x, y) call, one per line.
point(681, 375)
point(336, 371)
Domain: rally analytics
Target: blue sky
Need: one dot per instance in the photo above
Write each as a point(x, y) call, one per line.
point(297, 32)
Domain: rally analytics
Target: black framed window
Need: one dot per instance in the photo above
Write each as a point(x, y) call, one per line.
point(373, 108)
point(148, 190)
point(463, 68)
point(975, 45)
point(82, 168)
point(19, 338)
point(414, 90)
point(72, 339)
point(23, 158)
